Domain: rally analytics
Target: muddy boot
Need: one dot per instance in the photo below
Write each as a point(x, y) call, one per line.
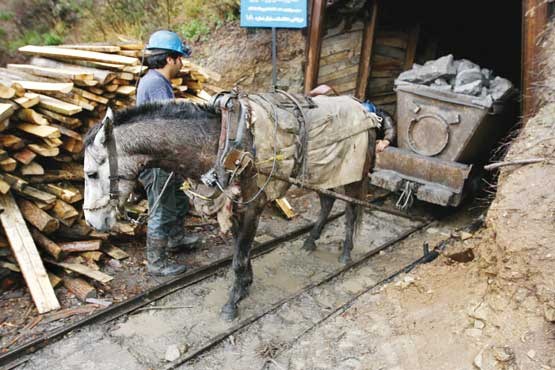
point(180, 241)
point(157, 257)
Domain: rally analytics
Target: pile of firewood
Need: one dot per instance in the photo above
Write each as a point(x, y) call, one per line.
point(46, 106)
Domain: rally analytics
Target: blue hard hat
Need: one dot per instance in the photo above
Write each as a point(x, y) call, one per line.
point(168, 40)
point(370, 107)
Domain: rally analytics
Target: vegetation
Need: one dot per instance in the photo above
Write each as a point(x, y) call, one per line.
point(51, 22)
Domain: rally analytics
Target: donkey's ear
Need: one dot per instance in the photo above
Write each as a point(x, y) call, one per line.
point(107, 123)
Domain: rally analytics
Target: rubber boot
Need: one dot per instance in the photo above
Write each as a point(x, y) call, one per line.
point(157, 257)
point(179, 240)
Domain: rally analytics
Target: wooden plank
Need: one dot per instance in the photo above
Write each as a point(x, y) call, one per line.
point(284, 206)
point(92, 47)
point(4, 187)
point(83, 270)
point(399, 41)
point(27, 256)
point(63, 87)
point(5, 124)
point(366, 52)
point(338, 74)
point(32, 169)
point(28, 100)
point(37, 217)
point(6, 110)
point(39, 131)
point(65, 192)
point(113, 251)
point(67, 121)
point(126, 90)
point(43, 150)
point(80, 246)
point(534, 20)
point(47, 245)
point(80, 288)
point(56, 73)
point(412, 42)
point(65, 212)
point(100, 75)
point(90, 96)
point(11, 142)
point(30, 115)
point(24, 156)
point(72, 54)
point(58, 106)
point(315, 33)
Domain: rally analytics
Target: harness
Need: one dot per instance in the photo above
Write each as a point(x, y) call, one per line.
point(236, 152)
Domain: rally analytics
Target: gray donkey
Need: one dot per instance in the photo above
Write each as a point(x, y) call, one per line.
point(183, 137)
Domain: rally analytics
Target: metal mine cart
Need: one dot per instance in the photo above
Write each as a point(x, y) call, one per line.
point(441, 135)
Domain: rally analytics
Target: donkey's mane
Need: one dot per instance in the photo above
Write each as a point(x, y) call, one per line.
point(157, 111)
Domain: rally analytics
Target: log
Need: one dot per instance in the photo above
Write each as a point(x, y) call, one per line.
point(27, 256)
point(28, 100)
point(65, 212)
point(65, 192)
point(85, 83)
point(90, 96)
point(11, 142)
point(32, 169)
point(56, 175)
point(47, 245)
point(92, 255)
point(4, 124)
point(81, 246)
point(126, 90)
point(37, 217)
point(30, 115)
point(83, 270)
point(77, 231)
point(80, 288)
point(4, 187)
point(6, 92)
point(24, 156)
point(54, 279)
point(52, 142)
point(8, 164)
point(58, 106)
point(35, 194)
point(72, 54)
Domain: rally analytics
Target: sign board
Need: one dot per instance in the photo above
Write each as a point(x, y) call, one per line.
point(274, 13)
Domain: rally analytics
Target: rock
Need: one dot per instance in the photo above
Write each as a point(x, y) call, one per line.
point(465, 64)
point(463, 257)
point(172, 353)
point(464, 235)
point(473, 88)
point(495, 358)
point(488, 75)
point(503, 354)
point(432, 230)
point(469, 76)
point(549, 313)
point(500, 86)
point(479, 324)
point(431, 70)
point(532, 354)
point(473, 332)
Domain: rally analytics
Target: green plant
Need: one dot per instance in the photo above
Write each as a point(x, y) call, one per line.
point(194, 29)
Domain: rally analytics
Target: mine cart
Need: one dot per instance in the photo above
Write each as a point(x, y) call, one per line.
point(441, 135)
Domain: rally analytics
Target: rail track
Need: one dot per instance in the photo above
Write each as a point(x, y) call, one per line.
point(200, 276)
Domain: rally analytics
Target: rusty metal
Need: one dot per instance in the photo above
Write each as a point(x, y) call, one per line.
point(441, 135)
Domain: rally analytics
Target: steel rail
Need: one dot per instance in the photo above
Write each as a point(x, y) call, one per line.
point(117, 310)
point(220, 337)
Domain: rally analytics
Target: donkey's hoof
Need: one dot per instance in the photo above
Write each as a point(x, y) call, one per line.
point(229, 312)
point(309, 245)
point(345, 259)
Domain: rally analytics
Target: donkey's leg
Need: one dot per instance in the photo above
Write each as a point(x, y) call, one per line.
point(353, 218)
point(326, 204)
point(241, 261)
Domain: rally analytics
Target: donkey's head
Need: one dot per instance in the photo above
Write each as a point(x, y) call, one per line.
point(105, 188)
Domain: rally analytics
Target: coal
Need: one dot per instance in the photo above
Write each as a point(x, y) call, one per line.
point(461, 77)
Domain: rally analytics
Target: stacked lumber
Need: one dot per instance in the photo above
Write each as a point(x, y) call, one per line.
point(46, 107)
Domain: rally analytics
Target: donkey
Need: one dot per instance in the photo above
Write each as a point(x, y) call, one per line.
point(183, 137)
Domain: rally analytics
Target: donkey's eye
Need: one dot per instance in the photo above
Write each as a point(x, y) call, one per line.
point(92, 175)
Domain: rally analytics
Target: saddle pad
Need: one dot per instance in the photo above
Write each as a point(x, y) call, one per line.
point(337, 141)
